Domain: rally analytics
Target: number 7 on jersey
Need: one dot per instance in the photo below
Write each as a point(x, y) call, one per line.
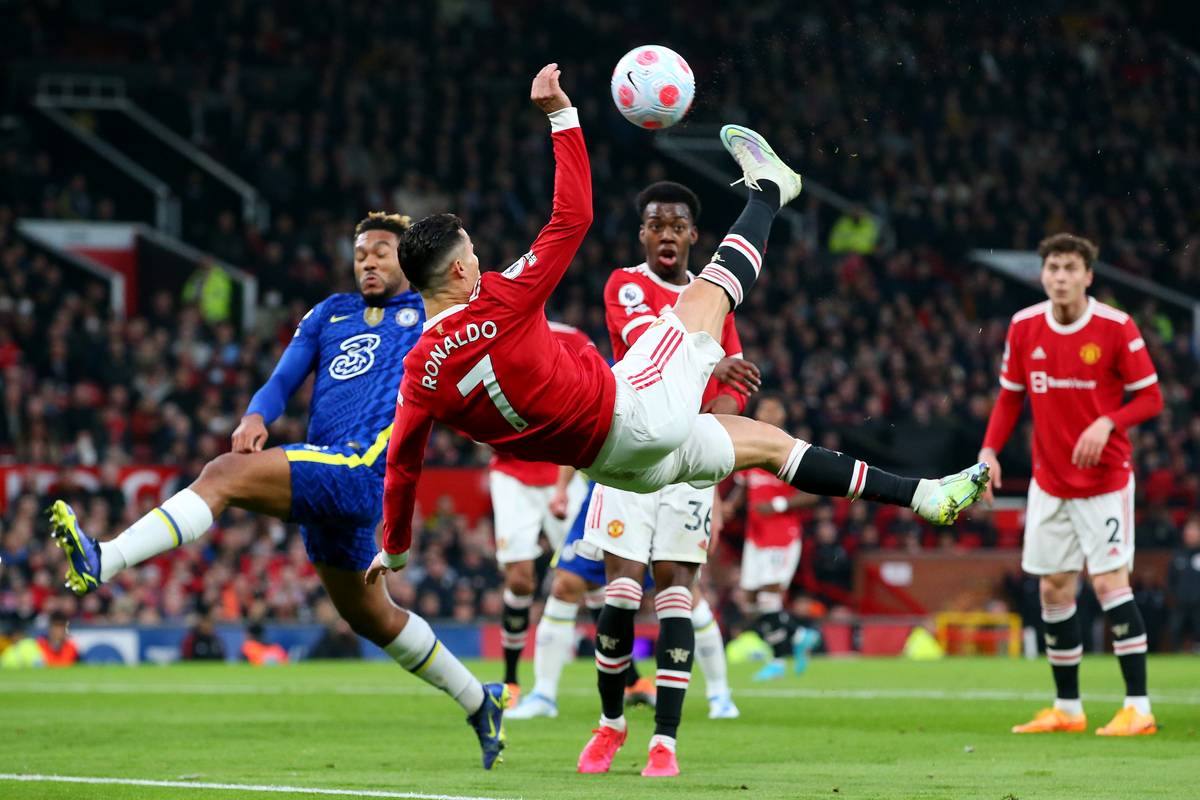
point(484, 373)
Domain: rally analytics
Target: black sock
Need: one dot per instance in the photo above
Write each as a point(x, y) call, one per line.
point(826, 472)
point(516, 630)
point(774, 628)
point(1064, 648)
point(738, 260)
point(673, 656)
point(631, 674)
point(614, 643)
point(1129, 638)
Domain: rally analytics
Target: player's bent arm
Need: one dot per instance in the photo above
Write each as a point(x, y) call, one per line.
point(298, 359)
point(1146, 403)
point(406, 451)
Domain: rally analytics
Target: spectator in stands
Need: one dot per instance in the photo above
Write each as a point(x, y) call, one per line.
point(57, 648)
point(257, 651)
point(202, 642)
point(211, 290)
point(1183, 583)
point(855, 231)
point(22, 652)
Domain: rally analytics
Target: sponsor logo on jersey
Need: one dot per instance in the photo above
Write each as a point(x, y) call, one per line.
point(1090, 353)
point(1038, 354)
point(407, 317)
point(518, 266)
point(678, 654)
point(616, 528)
point(1040, 383)
point(357, 357)
point(373, 316)
point(631, 295)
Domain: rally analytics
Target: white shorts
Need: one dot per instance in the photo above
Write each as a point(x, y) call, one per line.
point(521, 512)
point(769, 566)
point(1061, 535)
point(658, 436)
point(672, 524)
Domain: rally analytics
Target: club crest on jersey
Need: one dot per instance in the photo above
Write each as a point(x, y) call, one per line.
point(407, 317)
point(631, 295)
point(1090, 353)
point(373, 316)
point(358, 356)
point(518, 266)
point(616, 528)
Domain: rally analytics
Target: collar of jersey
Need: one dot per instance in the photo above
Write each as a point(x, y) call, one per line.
point(649, 273)
point(1075, 326)
point(434, 320)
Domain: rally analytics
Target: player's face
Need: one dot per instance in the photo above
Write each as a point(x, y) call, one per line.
point(771, 412)
point(1065, 277)
point(377, 266)
point(668, 232)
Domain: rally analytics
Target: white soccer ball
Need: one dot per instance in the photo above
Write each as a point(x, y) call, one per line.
point(653, 86)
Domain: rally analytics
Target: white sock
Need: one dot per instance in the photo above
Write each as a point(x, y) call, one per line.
point(1142, 704)
point(421, 653)
point(710, 650)
point(554, 645)
point(666, 741)
point(183, 518)
point(617, 724)
point(1069, 706)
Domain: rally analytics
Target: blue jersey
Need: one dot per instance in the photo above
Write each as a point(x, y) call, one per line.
point(357, 353)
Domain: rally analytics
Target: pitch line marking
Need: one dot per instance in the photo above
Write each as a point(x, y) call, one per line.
point(242, 787)
point(81, 687)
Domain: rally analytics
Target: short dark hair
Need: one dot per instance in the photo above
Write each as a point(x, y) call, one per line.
point(425, 245)
point(669, 192)
point(384, 221)
point(1069, 243)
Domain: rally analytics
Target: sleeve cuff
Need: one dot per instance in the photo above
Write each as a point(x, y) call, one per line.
point(394, 561)
point(1012, 386)
point(1143, 383)
point(564, 119)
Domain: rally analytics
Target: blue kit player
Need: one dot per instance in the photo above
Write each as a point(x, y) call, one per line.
point(331, 485)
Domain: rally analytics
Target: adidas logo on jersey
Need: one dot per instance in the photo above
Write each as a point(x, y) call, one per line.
point(1038, 353)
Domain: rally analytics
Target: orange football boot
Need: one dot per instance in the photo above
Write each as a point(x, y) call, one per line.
point(1129, 722)
point(642, 693)
point(1053, 720)
point(514, 694)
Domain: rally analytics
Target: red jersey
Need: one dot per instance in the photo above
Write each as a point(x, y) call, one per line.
point(541, 473)
point(634, 297)
point(772, 529)
point(492, 369)
point(1074, 374)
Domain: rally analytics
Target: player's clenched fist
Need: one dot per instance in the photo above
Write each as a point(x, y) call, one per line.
point(546, 93)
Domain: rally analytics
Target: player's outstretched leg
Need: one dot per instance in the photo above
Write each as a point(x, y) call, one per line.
point(256, 481)
point(710, 655)
point(770, 184)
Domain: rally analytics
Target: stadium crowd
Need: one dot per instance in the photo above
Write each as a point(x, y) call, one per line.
point(891, 353)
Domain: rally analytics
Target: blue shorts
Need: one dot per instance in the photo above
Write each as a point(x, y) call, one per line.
point(338, 501)
point(591, 570)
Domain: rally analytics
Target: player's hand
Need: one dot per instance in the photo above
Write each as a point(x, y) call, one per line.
point(744, 376)
point(250, 435)
point(988, 456)
point(1091, 443)
point(378, 569)
point(558, 503)
point(546, 93)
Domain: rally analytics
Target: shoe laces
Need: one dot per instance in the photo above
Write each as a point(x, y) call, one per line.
point(740, 148)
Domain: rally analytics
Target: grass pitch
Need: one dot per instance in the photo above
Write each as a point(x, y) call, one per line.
point(847, 729)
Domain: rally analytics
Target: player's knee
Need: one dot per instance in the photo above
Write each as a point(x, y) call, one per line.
point(1057, 589)
point(519, 578)
point(220, 474)
point(1107, 582)
point(568, 588)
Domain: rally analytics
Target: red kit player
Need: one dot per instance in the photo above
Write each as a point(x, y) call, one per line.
point(1076, 358)
point(489, 366)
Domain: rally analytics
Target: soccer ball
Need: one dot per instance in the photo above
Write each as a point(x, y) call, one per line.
point(653, 86)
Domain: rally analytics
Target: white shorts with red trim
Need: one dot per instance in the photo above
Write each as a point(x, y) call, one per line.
point(769, 566)
point(658, 435)
point(1064, 534)
point(672, 524)
point(522, 512)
